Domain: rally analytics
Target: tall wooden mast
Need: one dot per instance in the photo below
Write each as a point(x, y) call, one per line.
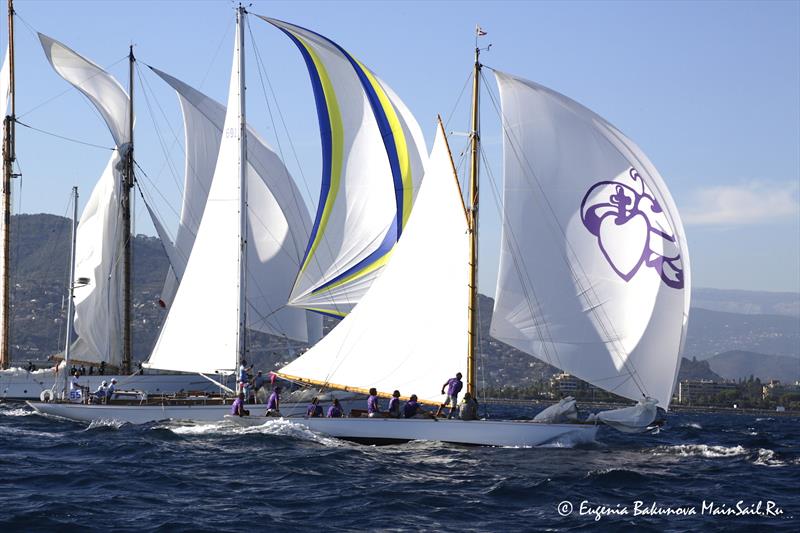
point(474, 167)
point(9, 156)
point(127, 185)
point(242, 344)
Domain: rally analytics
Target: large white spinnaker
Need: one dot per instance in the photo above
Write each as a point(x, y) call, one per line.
point(373, 155)
point(278, 219)
point(98, 306)
point(594, 270)
point(410, 329)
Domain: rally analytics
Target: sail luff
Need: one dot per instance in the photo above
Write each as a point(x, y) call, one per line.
point(9, 156)
point(242, 168)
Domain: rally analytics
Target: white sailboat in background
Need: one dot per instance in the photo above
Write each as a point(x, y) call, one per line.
point(205, 329)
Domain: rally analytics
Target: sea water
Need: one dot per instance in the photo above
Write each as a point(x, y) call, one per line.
point(701, 471)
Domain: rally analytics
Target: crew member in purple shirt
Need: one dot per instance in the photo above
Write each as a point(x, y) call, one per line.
point(373, 408)
point(394, 405)
point(314, 409)
point(454, 386)
point(335, 410)
point(237, 408)
point(412, 409)
point(274, 402)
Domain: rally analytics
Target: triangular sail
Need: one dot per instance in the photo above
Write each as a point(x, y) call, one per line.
point(594, 269)
point(98, 306)
point(278, 220)
point(409, 332)
point(373, 155)
point(201, 332)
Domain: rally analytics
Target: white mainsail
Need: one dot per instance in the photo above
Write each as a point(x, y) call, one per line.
point(98, 306)
point(278, 220)
point(594, 270)
point(373, 157)
point(409, 332)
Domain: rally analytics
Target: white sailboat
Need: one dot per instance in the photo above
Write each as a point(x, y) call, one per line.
point(204, 330)
point(594, 279)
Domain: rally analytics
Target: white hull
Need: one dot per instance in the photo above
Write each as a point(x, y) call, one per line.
point(143, 414)
point(477, 432)
point(17, 384)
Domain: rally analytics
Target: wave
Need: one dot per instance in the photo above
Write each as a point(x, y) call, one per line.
point(701, 450)
point(105, 425)
point(17, 411)
point(693, 425)
point(277, 426)
point(767, 457)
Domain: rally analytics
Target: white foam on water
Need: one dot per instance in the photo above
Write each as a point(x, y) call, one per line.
point(701, 450)
point(694, 425)
point(276, 426)
point(764, 419)
point(94, 424)
point(766, 457)
point(18, 411)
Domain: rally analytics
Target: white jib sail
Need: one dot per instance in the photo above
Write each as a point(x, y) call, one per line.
point(373, 155)
point(594, 269)
point(409, 332)
point(201, 331)
point(278, 219)
point(98, 306)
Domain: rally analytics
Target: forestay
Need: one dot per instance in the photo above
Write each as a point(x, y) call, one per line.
point(278, 220)
point(373, 155)
point(594, 269)
point(98, 306)
point(410, 330)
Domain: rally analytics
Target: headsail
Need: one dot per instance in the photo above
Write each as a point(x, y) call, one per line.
point(201, 332)
point(373, 156)
point(594, 269)
point(392, 340)
point(5, 86)
point(98, 307)
point(278, 220)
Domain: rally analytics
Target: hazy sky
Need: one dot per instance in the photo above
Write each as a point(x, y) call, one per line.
point(709, 90)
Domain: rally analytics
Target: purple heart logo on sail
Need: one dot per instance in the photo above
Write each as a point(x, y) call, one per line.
point(631, 228)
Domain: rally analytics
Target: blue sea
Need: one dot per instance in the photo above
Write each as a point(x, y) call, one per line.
point(701, 471)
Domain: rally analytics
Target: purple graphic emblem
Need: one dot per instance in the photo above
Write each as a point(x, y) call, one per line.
point(632, 229)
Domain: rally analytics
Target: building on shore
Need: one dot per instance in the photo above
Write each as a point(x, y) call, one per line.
point(690, 391)
point(775, 389)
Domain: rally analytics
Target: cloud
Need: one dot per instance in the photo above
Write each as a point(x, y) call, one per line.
point(750, 203)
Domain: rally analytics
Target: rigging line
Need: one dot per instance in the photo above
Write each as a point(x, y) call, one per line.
point(231, 22)
point(299, 203)
point(167, 159)
point(191, 170)
point(529, 291)
point(63, 137)
point(603, 321)
point(458, 100)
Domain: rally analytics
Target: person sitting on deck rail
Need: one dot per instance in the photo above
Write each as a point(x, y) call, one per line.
point(394, 405)
point(314, 409)
point(335, 410)
point(111, 390)
point(454, 386)
point(468, 410)
point(99, 395)
point(274, 402)
point(373, 407)
point(237, 408)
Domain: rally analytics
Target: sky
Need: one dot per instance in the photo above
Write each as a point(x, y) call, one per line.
point(709, 90)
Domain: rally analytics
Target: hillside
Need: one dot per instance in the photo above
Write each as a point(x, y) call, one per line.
point(39, 268)
point(747, 302)
point(742, 364)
